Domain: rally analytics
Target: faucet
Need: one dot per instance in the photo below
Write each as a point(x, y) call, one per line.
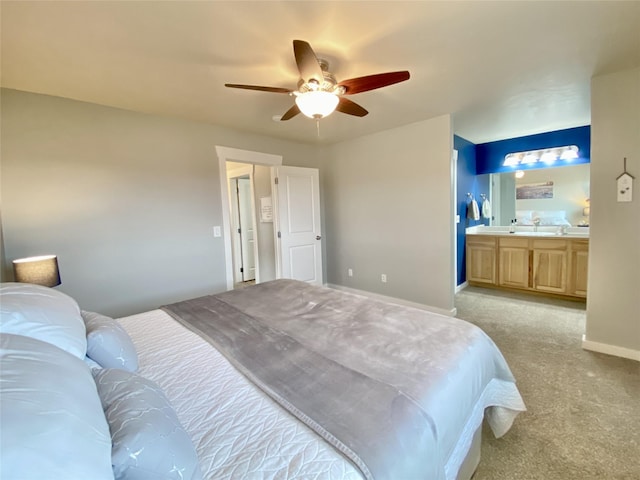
point(536, 222)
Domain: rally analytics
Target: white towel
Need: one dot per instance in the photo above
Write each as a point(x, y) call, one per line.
point(473, 213)
point(486, 209)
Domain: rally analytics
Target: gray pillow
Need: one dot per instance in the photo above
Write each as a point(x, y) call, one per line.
point(53, 425)
point(148, 440)
point(108, 343)
point(43, 313)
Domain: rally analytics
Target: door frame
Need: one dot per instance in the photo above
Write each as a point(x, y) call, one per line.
point(231, 154)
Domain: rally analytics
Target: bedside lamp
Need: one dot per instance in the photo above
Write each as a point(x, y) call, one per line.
point(42, 270)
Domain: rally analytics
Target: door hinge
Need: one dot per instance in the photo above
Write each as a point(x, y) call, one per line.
point(241, 270)
point(239, 231)
point(279, 236)
point(275, 181)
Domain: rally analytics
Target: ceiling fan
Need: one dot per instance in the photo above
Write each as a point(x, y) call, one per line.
point(319, 93)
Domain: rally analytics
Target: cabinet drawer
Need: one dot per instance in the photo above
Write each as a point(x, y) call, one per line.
point(481, 240)
point(514, 242)
point(580, 245)
point(548, 244)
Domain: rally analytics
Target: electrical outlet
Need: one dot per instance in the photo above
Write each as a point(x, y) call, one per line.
point(383, 278)
point(216, 231)
point(350, 272)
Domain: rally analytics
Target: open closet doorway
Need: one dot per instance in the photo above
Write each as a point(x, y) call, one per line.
point(246, 255)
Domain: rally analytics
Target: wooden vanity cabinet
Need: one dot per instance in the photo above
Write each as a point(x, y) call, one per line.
point(481, 259)
point(578, 268)
point(513, 254)
point(550, 265)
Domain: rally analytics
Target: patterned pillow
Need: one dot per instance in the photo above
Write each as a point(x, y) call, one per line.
point(108, 343)
point(148, 440)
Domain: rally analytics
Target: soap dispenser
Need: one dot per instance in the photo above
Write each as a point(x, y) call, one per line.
point(512, 228)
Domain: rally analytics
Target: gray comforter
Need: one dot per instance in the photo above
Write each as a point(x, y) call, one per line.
point(393, 388)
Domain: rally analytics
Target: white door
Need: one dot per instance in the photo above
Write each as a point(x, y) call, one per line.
point(297, 216)
point(246, 232)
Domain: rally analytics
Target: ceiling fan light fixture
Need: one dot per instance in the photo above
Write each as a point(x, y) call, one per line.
point(317, 104)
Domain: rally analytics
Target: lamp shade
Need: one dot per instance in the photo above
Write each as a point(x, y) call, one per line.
point(317, 104)
point(42, 270)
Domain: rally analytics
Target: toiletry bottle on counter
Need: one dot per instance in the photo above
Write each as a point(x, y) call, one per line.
point(512, 228)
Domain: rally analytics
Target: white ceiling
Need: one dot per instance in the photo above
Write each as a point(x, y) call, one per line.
point(502, 69)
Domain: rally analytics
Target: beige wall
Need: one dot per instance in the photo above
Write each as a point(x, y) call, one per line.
point(388, 204)
point(126, 200)
point(613, 307)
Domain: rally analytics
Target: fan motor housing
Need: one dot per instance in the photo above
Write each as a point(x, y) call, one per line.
point(329, 83)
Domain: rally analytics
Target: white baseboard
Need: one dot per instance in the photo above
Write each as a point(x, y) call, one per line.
point(610, 349)
point(397, 301)
point(461, 287)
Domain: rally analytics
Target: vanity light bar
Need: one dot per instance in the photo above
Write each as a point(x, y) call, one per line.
point(545, 155)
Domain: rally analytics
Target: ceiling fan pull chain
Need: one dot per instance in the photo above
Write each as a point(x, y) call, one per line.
point(318, 126)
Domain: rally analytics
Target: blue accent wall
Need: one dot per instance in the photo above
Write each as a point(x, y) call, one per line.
point(467, 182)
point(490, 156)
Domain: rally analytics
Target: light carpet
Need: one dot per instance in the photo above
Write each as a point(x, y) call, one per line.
point(583, 418)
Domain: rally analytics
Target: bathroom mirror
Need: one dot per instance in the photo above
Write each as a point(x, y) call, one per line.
point(546, 193)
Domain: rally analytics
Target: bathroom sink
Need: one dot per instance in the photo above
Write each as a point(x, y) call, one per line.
point(537, 234)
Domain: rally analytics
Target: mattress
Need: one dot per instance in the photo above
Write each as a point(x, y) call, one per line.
point(240, 432)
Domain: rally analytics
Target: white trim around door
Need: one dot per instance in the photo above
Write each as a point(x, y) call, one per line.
point(225, 154)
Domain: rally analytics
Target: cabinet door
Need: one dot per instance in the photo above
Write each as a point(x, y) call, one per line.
point(550, 270)
point(481, 263)
point(579, 268)
point(514, 267)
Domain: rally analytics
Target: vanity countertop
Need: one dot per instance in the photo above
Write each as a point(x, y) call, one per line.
point(528, 231)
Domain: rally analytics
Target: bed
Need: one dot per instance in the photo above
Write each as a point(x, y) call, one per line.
point(417, 385)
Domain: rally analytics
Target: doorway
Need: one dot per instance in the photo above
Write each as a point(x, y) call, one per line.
point(245, 251)
point(288, 212)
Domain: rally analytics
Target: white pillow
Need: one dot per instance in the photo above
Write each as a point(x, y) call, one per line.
point(523, 217)
point(53, 424)
point(43, 313)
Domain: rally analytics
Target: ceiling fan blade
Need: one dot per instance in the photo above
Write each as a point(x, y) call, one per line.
point(292, 112)
point(307, 62)
point(371, 82)
point(258, 87)
point(351, 108)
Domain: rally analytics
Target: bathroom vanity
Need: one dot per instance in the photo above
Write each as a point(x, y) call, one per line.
point(546, 260)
